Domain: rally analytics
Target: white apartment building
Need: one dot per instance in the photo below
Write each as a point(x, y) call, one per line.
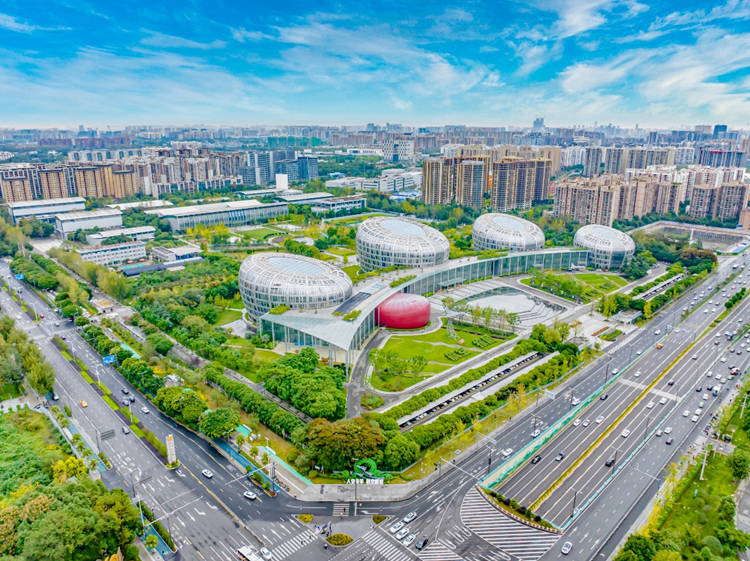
point(115, 254)
point(398, 150)
point(573, 156)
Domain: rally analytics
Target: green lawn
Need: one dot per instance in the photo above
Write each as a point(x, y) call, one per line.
point(228, 315)
point(388, 383)
point(9, 391)
point(602, 282)
point(342, 251)
point(352, 271)
point(262, 233)
point(408, 347)
point(266, 356)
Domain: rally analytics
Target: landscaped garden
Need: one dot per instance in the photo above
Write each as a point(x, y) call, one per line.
point(578, 287)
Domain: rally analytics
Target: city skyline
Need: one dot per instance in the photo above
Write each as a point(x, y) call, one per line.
point(625, 62)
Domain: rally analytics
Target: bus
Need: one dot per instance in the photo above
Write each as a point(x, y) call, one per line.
point(247, 553)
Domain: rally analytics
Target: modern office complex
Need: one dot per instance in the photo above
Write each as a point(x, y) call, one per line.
point(137, 233)
point(231, 213)
point(608, 248)
point(385, 242)
point(503, 231)
point(267, 280)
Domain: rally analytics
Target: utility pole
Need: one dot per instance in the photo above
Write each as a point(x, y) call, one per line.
point(744, 400)
point(575, 496)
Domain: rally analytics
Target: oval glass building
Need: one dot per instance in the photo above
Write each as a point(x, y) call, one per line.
point(608, 248)
point(503, 231)
point(384, 241)
point(267, 280)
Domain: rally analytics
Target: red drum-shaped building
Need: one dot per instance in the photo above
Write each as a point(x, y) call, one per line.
point(404, 311)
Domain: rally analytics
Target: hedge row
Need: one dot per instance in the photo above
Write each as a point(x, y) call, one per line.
point(274, 417)
point(524, 346)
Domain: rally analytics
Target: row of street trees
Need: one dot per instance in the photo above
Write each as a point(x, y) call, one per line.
point(488, 316)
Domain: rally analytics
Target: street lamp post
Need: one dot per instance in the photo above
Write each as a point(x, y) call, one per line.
point(575, 496)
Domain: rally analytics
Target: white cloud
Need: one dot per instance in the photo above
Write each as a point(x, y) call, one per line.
point(156, 39)
point(242, 35)
point(583, 77)
point(12, 23)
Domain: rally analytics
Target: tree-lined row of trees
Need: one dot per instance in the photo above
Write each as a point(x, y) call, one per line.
point(21, 359)
point(491, 318)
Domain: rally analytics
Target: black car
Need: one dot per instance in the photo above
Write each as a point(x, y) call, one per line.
point(125, 391)
point(131, 398)
point(604, 396)
point(421, 544)
point(669, 441)
point(536, 459)
point(699, 389)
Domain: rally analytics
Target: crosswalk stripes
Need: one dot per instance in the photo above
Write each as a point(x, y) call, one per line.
point(524, 542)
point(387, 546)
point(341, 509)
point(284, 549)
point(437, 551)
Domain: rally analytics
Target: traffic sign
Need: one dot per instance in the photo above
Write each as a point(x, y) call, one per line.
point(109, 359)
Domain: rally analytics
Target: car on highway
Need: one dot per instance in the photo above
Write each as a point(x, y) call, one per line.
point(409, 539)
point(705, 395)
point(409, 517)
point(615, 371)
point(396, 527)
point(402, 533)
point(604, 396)
point(265, 553)
point(131, 399)
point(625, 433)
point(125, 430)
point(535, 433)
point(586, 423)
point(723, 359)
point(83, 403)
point(695, 357)
point(609, 461)
point(125, 401)
point(559, 456)
point(669, 441)
point(637, 373)
point(670, 383)
point(207, 473)
point(657, 332)
point(421, 544)
point(686, 413)
point(662, 401)
point(125, 391)
point(659, 432)
point(650, 405)
point(250, 495)
point(575, 401)
point(536, 459)
point(710, 373)
point(576, 422)
point(566, 548)
point(507, 452)
point(668, 430)
point(699, 389)
point(694, 419)
point(659, 346)
point(599, 419)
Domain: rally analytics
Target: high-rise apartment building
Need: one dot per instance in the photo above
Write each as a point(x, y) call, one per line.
point(592, 161)
point(649, 194)
point(703, 201)
point(589, 201)
point(470, 183)
point(16, 189)
point(719, 157)
point(732, 200)
point(436, 183)
point(57, 183)
point(615, 160)
point(95, 182)
point(124, 184)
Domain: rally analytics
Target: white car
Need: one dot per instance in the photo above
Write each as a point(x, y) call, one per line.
point(599, 419)
point(694, 419)
point(668, 430)
point(409, 517)
point(409, 539)
point(576, 422)
point(709, 374)
point(625, 433)
point(705, 396)
point(266, 553)
point(615, 371)
point(402, 533)
point(637, 373)
point(686, 413)
point(396, 527)
point(207, 473)
point(250, 495)
point(650, 405)
point(145, 410)
point(536, 433)
point(723, 359)
point(663, 401)
point(575, 401)
point(586, 423)
point(507, 452)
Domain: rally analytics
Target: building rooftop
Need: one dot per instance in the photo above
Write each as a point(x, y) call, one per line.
point(306, 196)
point(83, 214)
point(210, 208)
point(47, 202)
point(156, 203)
point(123, 232)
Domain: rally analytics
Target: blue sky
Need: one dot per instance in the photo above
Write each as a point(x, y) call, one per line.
point(664, 63)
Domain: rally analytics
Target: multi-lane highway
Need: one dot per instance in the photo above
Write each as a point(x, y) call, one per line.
point(450, 512)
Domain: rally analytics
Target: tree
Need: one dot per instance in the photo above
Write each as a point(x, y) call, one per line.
point(400, 452)
point(666, 555)
point(334, 445)
point(71, 311)
point(219, 423)
point(41, 376)
point(643, 548)
point(739, 461)
point(112, 283)
point(151, 541)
